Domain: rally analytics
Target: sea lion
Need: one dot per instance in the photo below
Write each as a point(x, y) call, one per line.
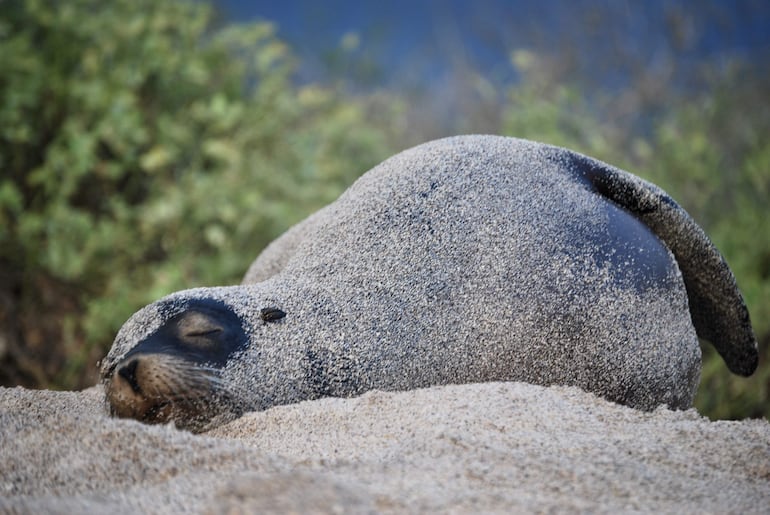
point(467, 259)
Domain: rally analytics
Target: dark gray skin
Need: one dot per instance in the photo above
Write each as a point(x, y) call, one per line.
point(468, 259)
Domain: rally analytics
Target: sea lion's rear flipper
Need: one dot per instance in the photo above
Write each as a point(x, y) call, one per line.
point(717, 308)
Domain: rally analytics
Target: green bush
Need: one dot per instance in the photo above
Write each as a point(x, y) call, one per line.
point(145, 151)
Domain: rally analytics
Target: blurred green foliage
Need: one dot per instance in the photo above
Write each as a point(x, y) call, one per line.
point(145, 148)
point(134, 137)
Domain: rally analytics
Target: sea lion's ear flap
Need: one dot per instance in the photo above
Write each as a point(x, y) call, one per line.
point(717, 308)
point(271, 314)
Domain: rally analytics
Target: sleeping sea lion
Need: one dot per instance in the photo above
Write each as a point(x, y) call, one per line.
point(467, 259)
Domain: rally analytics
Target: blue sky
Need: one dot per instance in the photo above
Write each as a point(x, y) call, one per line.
point(419, 40)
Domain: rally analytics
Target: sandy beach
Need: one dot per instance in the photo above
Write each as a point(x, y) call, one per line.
point(494, 447)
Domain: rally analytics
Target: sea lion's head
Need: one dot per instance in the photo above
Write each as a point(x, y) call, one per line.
point(174, 373)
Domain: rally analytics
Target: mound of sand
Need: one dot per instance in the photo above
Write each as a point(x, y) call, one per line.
point(494, 447)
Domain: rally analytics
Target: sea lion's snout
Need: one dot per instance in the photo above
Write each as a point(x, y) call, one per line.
point(143, 388)
point(175, 373)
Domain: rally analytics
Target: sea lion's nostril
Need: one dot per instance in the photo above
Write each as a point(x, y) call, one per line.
point(128, 372)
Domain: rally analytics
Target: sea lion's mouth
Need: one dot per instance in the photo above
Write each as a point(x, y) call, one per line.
point(159, 413)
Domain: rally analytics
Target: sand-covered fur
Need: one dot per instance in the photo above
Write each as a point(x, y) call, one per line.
point(468, 259)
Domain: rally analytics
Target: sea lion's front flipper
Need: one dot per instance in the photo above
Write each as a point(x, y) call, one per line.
point(717, 308)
